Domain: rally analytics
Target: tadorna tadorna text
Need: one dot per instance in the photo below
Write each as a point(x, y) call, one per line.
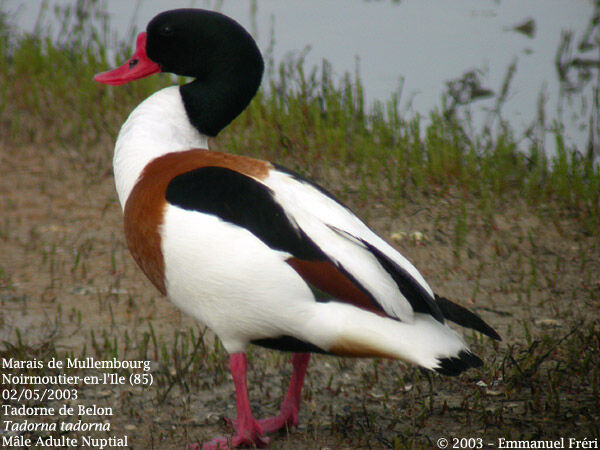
point(252, 250)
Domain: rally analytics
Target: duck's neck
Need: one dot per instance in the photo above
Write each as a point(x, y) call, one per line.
point(214, 101)
point(159, 125)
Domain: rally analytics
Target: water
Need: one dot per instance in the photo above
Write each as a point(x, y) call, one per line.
point(423, 43)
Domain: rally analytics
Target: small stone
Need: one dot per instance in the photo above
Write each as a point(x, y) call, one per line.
point(548, 323)
point(493, 392)
point(417, 236)
point(399, 236)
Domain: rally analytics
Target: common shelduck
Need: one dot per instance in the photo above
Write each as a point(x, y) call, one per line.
point(252, 250)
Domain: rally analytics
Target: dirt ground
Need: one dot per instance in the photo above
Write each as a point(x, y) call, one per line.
point(68, 286)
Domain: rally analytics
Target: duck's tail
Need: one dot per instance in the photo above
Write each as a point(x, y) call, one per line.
point(348, 331)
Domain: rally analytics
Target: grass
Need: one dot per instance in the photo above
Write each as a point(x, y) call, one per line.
point(303, 117)
point(511, 232)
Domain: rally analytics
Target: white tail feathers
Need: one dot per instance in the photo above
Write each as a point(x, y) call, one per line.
point(348, 331)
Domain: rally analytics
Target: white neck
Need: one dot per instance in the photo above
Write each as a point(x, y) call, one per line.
point(159, 125)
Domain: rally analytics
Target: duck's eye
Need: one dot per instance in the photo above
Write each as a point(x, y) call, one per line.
point(167, 30)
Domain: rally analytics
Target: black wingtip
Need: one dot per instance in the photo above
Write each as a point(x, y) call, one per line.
point(465, 318)
point(457, 364)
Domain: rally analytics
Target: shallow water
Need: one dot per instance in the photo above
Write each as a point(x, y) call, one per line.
point(423, 43)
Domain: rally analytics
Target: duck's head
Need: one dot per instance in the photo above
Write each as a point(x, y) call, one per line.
point(215, 50)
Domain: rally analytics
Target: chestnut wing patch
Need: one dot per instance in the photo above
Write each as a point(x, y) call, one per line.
point(335, 282)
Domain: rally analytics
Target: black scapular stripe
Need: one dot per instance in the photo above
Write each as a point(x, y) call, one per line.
point(465, 318)
point(413, 291)
point(241, 200)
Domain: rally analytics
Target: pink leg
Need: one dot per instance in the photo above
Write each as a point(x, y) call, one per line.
point(247, 430)
point(288, 415)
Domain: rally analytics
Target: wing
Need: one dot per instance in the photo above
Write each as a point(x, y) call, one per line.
point(390, 280)
point(319, 237)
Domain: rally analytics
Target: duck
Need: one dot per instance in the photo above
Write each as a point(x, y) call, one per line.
point(250, 249)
